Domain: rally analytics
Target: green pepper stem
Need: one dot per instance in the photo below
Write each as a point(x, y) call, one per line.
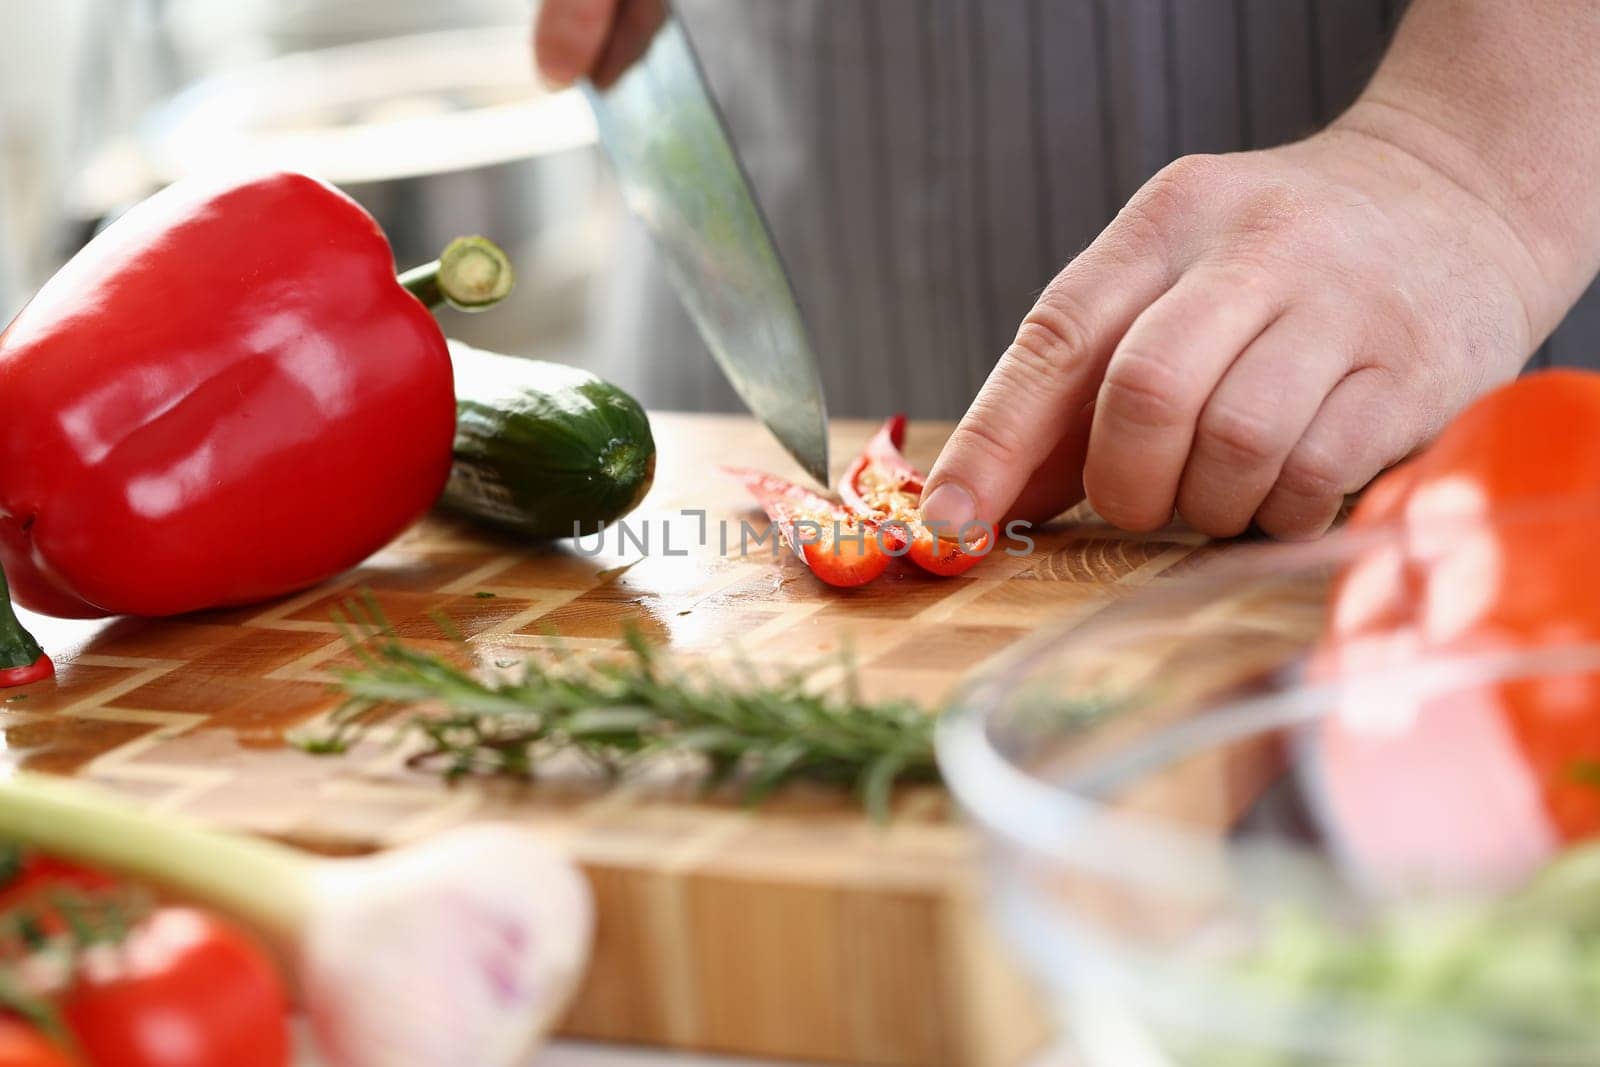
point(262, 885)
point(18, 649)
point(472, 274)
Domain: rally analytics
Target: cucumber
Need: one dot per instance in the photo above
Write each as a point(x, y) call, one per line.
point(544, 450)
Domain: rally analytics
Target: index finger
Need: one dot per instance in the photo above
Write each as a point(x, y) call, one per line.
point(1047, 377)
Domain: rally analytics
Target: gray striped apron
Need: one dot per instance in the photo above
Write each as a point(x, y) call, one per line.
point(929, 165)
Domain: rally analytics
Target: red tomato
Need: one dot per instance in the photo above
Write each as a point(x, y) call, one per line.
point(22, 1045)
point(37, 874)
point(37, 878)
point(1487, 543)
point(184, 990)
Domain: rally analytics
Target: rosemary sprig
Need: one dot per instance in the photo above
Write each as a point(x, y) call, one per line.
point(618, 713)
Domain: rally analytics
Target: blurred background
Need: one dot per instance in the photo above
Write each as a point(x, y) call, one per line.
point(427, 111)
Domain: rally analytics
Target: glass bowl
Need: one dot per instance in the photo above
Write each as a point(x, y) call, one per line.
point(1216, 843)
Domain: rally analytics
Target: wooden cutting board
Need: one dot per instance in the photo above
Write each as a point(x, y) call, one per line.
point(800, 930)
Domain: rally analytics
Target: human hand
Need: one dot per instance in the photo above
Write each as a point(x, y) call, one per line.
point(568, 37)
point(1253, 337)
point(597, 39)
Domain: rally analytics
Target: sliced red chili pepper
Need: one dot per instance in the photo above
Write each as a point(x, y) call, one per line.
point(884, 488)
point(37, 671)
point(835, 543)
point(21, 659)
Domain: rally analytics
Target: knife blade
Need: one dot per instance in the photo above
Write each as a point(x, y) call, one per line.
point(680, 175)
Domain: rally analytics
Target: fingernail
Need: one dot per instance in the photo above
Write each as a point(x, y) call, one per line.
point(949, 504)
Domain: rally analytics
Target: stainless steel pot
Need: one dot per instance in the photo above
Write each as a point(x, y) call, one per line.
point(438, 133)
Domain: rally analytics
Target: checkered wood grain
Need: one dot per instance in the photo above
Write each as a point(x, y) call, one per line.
point(799, 930)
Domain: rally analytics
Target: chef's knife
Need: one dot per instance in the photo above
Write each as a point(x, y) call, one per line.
point(680, 176)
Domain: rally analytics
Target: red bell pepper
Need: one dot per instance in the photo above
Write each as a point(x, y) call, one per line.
point(225, 397)
point(884, 489)
point(839, 548)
